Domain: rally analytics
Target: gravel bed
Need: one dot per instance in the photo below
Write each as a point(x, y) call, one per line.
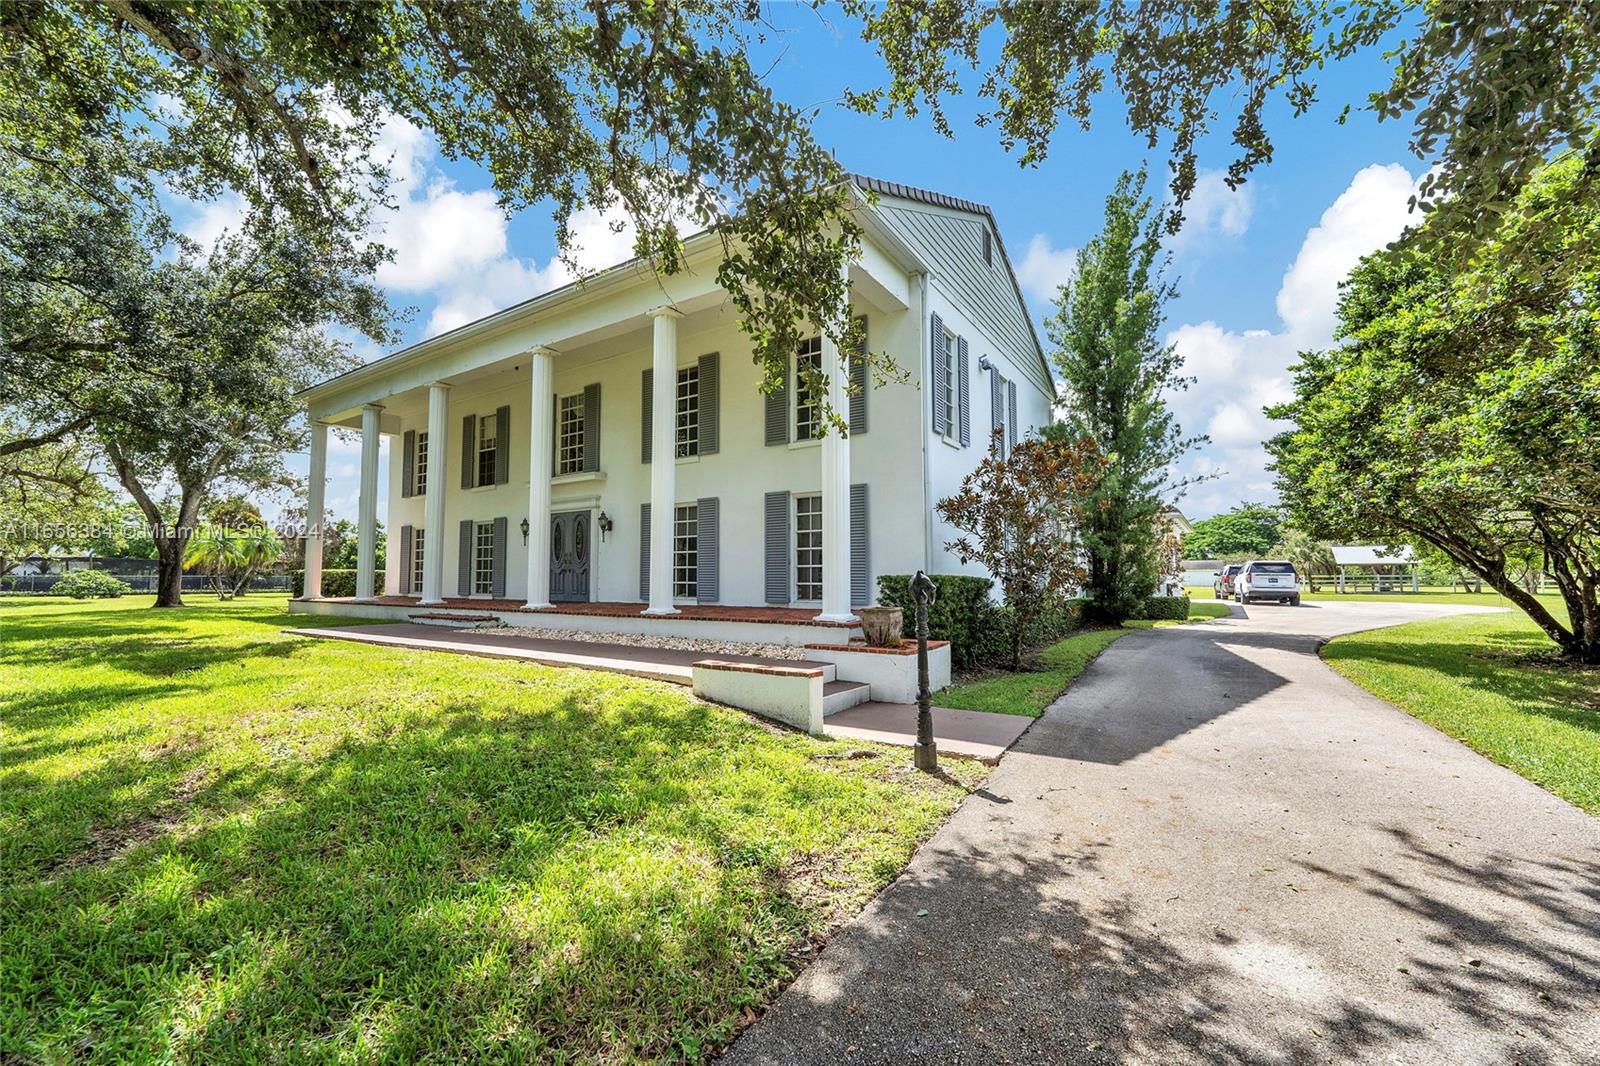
point(640, 640)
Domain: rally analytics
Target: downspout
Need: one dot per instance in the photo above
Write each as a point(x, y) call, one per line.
point(926, 420)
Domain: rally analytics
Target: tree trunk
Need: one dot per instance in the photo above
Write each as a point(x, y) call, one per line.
point(169, 568)
point(171, 539)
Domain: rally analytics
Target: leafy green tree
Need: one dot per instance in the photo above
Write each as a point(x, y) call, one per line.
point(49, 495)
point(1247, 531)
point(1491, 89)
point(1312, 557)
point(342, 544)
point(1114, 373)
point(217, 550)
point(650, 108)
point(1461, 410)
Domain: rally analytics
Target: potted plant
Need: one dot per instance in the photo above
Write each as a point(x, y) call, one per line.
point(883, 626)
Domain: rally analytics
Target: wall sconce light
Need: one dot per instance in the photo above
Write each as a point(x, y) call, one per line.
point(604, 522)
point(524, 532)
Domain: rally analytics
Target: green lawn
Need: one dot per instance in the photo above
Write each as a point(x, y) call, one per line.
point(1030, 692)
point(222, 843)
point(1470, 677)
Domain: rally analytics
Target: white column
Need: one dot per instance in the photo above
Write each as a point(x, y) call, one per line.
point(433, 502)
point(663, 457)
point(835, 452)
point(367, 510)
point(316, 486)
point(541, 464)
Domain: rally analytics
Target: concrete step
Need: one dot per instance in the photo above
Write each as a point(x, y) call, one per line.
point(842, 695)
point(456, 620)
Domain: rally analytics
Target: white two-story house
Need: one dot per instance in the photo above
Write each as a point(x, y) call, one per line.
point(603, 449)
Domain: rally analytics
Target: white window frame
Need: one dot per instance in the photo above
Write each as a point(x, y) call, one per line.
point(949, 389)
point(483, 559)
point(686, 551)
point(416, 560)
point(420, 469)
point(686, 417)
point(812, 558)
point(810, 348)
point(487, 424)
point(571, 412)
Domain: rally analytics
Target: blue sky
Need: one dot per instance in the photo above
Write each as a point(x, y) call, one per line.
point(1257, 268)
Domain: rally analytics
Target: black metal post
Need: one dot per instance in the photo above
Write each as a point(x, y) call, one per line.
point(926, 752)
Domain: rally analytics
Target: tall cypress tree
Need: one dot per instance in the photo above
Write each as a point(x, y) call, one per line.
point(1114, 375)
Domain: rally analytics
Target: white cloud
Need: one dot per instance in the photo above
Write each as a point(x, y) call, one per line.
point(1238, 373)
point(1213, 209)
point(1045, 268)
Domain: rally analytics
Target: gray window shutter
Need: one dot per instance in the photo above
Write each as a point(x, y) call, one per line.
point(1011, 415)
point(591, 427)
point(860, 564)
point(408, 463)
point(778, 413)
point(502, 445)
point(963, 414)
point(406, 562)
point(469, 451)
point(936, 376)
point(647, 391)
point(644, 552)
point(708, 589)
point(710, 403)
point(858, 383)
point(464, 585)
point(499, 558)
point(777, 508)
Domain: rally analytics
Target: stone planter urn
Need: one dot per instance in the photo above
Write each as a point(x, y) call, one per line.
point(883, 626)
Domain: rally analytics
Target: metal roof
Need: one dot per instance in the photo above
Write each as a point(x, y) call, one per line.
point(1372, 555)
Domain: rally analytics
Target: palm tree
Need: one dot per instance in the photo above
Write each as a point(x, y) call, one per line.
point(262, 547)
point(217, 549)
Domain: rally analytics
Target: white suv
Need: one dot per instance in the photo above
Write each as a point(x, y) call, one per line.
point(1267, 579)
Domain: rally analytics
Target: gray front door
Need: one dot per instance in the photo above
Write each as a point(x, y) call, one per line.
point(569, 557)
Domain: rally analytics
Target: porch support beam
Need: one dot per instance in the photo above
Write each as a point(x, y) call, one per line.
point(835, 453)
point(316, 489)
point(367, 514)
point(663, 456)
point(433, 502)
point(541, 465)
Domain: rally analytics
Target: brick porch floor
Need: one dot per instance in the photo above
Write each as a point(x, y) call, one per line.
point(704, 612)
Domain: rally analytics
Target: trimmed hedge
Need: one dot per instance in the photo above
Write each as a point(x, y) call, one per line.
point(961, 613)
point(334, 582)
point(89, 585)
point(1166, 608)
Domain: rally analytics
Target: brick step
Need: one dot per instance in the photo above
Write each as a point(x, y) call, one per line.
point(842, 695)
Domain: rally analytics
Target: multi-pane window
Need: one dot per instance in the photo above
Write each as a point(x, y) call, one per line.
point(488, 426)
point(421, 486)
point(686, 552)
point(947, 387)
point(569, 438)
point(808, 547)
point(416, 560)
point(483, 559)
point(807, 361)
point(688, 431)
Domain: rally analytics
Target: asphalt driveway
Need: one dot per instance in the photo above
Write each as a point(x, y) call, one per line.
point(1214, 849)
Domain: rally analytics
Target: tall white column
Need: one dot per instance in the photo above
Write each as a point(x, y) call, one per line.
point(541, 464)
point(316, 487)
point(663, 457)
point(433, 501)
point(367, 511)
point(835, 454)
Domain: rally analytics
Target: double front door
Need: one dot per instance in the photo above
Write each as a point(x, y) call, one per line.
point(569, 557)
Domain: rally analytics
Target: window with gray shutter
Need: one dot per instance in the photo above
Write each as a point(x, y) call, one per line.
point(591, 427)
point(644, 552)
point(405, 560)
point(859, 380)
point(708, 588)
point(777, 547)
point(938, 374)
point(502, 445)
point(469, 452)
point(464, 577)
point(963, 412)
point(778, 412)
point(860, 563)
point(408, 462)
point(499, 589)
point(646, 412)
point(1011, 415)
point(710, 403)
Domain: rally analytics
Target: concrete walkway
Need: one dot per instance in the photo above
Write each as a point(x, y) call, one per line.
point(1213, 849)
